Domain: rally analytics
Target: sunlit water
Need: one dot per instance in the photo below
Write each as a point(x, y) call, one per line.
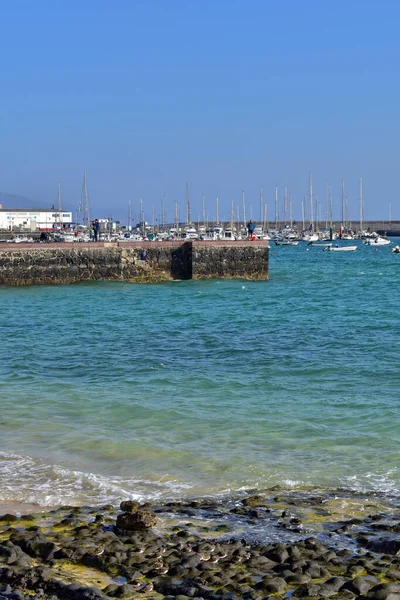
point(116, 390)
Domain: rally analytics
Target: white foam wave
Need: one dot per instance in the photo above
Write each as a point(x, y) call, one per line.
point(29, 480)
point(34, 481)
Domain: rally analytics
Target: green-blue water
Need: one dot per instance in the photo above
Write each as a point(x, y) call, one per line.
point(116, 390)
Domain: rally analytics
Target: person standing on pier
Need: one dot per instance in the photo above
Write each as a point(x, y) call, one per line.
point(250, 228)
point(96, 228)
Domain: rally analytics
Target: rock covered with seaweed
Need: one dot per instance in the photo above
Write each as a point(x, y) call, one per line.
point(259, 546)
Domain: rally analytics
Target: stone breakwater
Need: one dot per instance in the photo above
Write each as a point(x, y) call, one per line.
point(142, 262)
point(320, 546)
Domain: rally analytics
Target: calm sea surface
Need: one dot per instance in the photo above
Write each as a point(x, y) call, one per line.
point(116, 390)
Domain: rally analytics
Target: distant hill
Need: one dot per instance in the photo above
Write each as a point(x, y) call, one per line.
point(16, 201)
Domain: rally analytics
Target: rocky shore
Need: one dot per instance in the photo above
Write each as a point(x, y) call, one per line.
point(274, 544)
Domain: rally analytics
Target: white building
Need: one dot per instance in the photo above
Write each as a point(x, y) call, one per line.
point(25, 219)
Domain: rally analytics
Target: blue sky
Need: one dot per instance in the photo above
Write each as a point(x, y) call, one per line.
point(227, 95)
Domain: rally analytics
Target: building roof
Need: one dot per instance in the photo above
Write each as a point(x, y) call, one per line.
point(25, 210)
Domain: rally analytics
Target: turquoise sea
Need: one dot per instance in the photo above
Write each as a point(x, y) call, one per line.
point(117, 390)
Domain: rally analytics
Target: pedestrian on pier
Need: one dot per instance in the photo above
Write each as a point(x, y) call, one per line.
point(96, 229)
point(250, 228)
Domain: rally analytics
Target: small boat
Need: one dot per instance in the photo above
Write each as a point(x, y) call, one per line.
point(341, 248)
point(378, 241)
point(320, 244)
point(396, 250)
point(286, 242)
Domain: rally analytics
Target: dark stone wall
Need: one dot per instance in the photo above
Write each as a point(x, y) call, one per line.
point(69, 263)
point(230, 260)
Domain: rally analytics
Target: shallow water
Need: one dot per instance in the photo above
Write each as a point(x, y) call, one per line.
point(115, 390)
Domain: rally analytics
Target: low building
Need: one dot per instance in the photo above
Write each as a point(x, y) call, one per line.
point(33, 219)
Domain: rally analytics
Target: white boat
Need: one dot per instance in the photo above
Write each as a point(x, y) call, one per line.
point(341, 248)
point(21, 239)
point(210, 236)
point(219, 231)
point(286, 242)
point(229, 235)
point(311, 237)
point(378, 241)
point(190, 233)
point(396, 250)
point(68, 237)
point(320, 244)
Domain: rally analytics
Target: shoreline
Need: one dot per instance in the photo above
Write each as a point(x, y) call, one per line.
point(280, 542)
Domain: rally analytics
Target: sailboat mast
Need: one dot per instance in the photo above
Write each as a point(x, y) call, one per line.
point(330, 206)
point(303, 213)
point(311, 203)
point(162, 212)
point(284, 206)
point(232, 215)
point(291, 210)
point(204, 210)
point(361, 205)
point(326, 205)
point(188, 219)
point(265, 224)
point(86, 219)
point(276, 208)
point(59, 208)
point(342, 202)
point(142, 226)
point(244, 209)
point(261, 205)
point(129, 215)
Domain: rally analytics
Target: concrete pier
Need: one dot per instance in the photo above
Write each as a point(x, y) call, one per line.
point(57, 263)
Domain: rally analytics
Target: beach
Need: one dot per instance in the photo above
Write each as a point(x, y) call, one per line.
point(269, 544)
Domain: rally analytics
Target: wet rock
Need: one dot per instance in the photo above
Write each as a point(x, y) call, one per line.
point(393, 574)
point(358, 585)
point(8, 518)
point(382, 546)
point(272, 585)
point(278, 553)
point(253, 501)
point(332, 585)
point(139, 520)
point(298, 578)
point(384, 591)
point(129, 505)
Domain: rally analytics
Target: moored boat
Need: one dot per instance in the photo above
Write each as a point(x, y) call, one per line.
point(341, 248)
point(378, 241)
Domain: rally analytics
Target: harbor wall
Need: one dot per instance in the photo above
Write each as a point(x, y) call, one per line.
point(35, 264)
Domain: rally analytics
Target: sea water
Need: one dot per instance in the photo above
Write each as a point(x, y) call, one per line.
point(114, 390)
